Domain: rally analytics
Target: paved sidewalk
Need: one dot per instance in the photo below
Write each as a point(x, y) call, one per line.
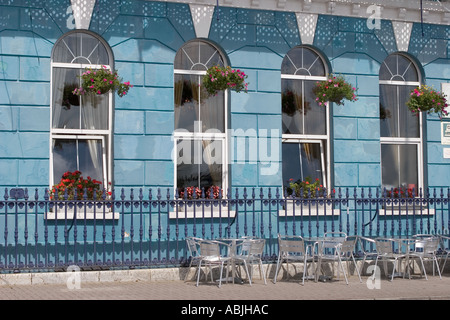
point(415, 288)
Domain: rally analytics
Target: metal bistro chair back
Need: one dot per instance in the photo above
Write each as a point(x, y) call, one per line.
point(251, 252)
point(426, 248)
point(385, 252)
point(292, 248)
point(329, 249)
point(210, 252)
point(193, 246)
point(347, 250)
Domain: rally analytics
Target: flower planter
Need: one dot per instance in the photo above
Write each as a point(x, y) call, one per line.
point(334, 89)
point(101, 81)
point(426, 99)
point(221, 78)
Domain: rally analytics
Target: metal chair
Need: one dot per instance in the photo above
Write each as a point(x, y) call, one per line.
point(193, 246)
point(385, 252)
point(367, 253)
point(445, 252)
point(335, 249)
point(251, 252)
point(210, 252)
point(291, 249)
point(426, 248)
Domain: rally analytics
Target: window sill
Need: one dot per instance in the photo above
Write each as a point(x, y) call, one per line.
point(190, 211)
point(90, 214)
point(313, 208)
point(403, 211)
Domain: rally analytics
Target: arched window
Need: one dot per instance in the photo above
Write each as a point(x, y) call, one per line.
point(200, 119)
point(305, 147)
point(400, 130)
point(80, 130)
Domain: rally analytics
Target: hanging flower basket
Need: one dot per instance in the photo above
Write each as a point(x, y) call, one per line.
point(221, 78)
point(101, 81)
point(426, 99)
point(334, 89)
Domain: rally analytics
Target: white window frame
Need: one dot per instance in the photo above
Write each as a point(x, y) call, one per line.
point(308, 138)
point(407, 140)
point(208, 136)
point(84, 134)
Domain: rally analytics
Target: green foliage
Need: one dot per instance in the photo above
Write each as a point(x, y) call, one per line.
point(334, 89)
point(426, 99)
point(221, 78)
point(100, 81)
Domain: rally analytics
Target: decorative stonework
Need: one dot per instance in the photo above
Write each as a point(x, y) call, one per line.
point(201, 16)
point(402, 31)
point(393, 10)
point(307, 26)
point(82, 12)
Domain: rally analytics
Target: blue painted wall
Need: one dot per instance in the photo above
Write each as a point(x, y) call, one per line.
point(145, 37)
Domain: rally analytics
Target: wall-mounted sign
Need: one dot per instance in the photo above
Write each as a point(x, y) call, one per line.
point(446, 153)
point(445, 132)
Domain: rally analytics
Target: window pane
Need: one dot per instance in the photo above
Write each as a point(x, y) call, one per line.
point(80, 47)
point(82, 155)
point(395, 118)
point(301, 161)
point(199, 163)
point(303, 61)
point(301, 113)
point(197, 55)
point(76, 112)
point(292, 106)
point(315, 115)
point(211, 115)
point(397, 67)
point(399, 166)
point(186, 102)
point(66, 105)
point(408, 122)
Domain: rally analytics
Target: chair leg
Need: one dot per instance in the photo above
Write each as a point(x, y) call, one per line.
point(423, 268)
point(198, 273)
point(276, 270)
point(437, 266)
point(248, 273)
point(356, 268)
point(262, 271)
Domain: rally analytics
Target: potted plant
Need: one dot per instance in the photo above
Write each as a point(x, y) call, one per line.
point(426, 99)
point(191, 193)
point(72, 181)
point(306, 188)
point(101, 81)
point(219, 78)
point(334, 89)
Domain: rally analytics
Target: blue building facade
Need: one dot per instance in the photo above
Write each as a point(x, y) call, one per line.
point(166, 134)
point(144, 38)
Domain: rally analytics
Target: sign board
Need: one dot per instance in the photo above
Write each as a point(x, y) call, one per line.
point(445, 132)
point(446, 153)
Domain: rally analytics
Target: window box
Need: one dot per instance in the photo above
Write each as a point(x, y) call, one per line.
point(198, 209)
point(313, 207)
point(99, 212)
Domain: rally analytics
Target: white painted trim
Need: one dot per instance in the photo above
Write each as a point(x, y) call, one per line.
point(312, 208)
point(395, 10)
